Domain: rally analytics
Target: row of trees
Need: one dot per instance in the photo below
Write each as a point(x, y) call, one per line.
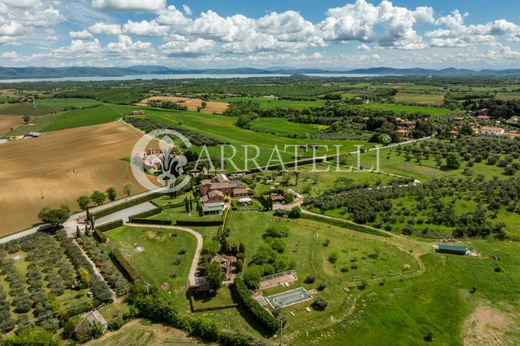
point(97, 197)
point(435, 204)
point(100, 255)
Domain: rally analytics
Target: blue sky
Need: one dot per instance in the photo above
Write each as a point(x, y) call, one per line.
point(300, 33)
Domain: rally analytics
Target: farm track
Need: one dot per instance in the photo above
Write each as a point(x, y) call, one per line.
point(192, 279)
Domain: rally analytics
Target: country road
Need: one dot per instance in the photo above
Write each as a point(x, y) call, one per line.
point(72, 222)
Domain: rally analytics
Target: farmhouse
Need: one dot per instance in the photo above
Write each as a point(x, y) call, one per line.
point(452, 249)
point(140, 112)
point(403, 133)
point(222, 184)
point(213, 196)
point(276, 198)
point(491, 131)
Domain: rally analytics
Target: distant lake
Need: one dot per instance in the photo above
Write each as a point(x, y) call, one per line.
point(174, 76)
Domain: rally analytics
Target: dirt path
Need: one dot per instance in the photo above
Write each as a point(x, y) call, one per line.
point(96, 269)
point(192, 279)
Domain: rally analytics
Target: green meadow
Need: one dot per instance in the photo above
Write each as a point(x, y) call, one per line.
point(284, 127)
point(270, 103)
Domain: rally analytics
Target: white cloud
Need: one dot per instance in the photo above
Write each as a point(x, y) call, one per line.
point(181, 47)
point(105, 29)
point(125, 43)
point(187, 10)
point(357, 22)
point(173, 17)
point(456, 34)
point(145, 28)
point(130, 5)
point(9, 55)
point(363, 47)
point(80, 35)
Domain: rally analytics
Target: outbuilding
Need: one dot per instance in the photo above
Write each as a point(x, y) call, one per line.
point(212, 209)
point(452, 249)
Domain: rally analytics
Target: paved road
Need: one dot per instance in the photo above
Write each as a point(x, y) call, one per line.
point(126, 213)
point(72, 222)
point(192, 278)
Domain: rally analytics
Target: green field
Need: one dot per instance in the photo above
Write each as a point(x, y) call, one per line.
point(508, 96)
point(271, 103)
point(406, 109)
point(425, 99)
point(46, 106)
point(155, 262)
point(87, 117)
point(223, 128)
point(438, 303)
point(283, 127)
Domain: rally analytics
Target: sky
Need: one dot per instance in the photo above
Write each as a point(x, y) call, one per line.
point(323, 34)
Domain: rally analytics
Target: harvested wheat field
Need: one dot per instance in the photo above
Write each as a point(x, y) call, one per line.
point(192, 104)
point(59, 167)
point(9, 121)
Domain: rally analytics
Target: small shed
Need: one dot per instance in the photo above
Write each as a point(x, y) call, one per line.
point(452, 249)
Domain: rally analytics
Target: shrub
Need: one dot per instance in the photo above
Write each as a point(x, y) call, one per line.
point(295, 213)
point(310, 279)
point(319, 304)
point(252, 276)
point(322, 286)
point(240, 265)
point(333, 257)
point(277, 231)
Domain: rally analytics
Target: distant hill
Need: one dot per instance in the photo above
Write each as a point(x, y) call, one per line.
point(45, 72)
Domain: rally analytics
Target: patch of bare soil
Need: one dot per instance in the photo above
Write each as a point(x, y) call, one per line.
point(192, 104)
point(59, 167)
point(488, 326)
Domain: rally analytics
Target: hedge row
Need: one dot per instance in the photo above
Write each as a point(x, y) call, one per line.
point(160, 309)
point(146, 214)
point(344, 224)
point(99, 236)
point(124, 266)
point(211, 308)
point(110, 226)
point(126, 205)
point(150, 221)
point(265, 319)
point(176, 205)
point(198, 223)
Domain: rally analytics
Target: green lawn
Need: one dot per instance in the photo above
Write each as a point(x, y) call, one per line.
point(283, 127)
point(155, 262)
